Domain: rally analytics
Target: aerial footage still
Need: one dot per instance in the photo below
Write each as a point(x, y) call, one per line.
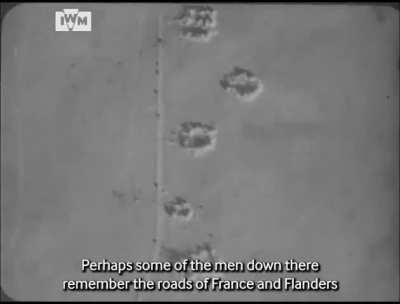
point(199, 152)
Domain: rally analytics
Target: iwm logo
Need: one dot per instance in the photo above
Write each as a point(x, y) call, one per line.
point(73, 20)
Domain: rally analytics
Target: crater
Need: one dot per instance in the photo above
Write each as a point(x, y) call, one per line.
point(179, 209)
point(203, 252)
point(242, 84)
point(198, 23)
point(195, 137)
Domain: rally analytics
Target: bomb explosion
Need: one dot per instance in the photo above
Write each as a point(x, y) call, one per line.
point(242, 84)
point(196, 138)
point(179, 209)
point(198, 23)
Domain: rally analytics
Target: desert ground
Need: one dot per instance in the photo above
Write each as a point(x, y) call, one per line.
point(308, 170)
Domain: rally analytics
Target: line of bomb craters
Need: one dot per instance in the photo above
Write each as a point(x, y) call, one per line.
point(199, 24)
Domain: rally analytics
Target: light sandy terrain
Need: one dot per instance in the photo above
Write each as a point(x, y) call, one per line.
point(308, 170)
point(79, 142)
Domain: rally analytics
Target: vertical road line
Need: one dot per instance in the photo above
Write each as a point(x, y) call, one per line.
point(160, 142)
point(160, 219)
